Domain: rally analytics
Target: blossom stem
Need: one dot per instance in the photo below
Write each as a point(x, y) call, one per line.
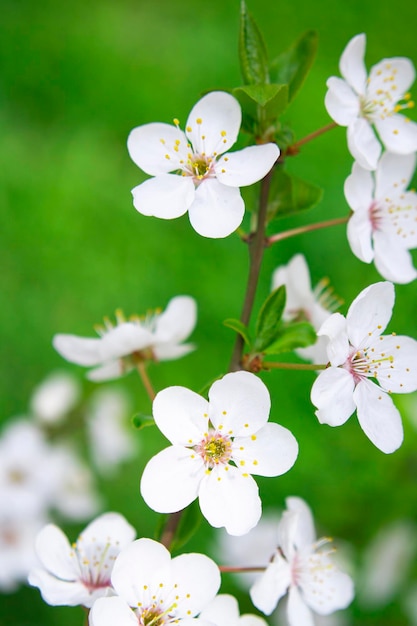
point(256, 250)
point(141, 367)
point(295, 148)
point(267, 365)
point(305, 229)
point(237, 570)
point(170, 529)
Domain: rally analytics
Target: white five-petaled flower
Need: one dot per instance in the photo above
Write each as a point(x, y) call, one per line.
point(209, 180)
point(383, 227)
point(216, 446)
point(80, 573)
point(155, 590)
point(365, 366)
point(224, 611)
point(360, 102)
point(312, 580)
point(156, 336)
point(304, 303)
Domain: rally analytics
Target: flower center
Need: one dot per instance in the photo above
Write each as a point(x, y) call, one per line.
point(214, 449)
point(152, 617)
point(361, 366)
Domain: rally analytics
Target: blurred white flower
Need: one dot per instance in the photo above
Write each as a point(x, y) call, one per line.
point(152, 588)
point(383, 226)
point(55, 397)
point(359, 102)
point(387, 563)
point(313, 581)
point(208, 182)
point(304, 303)
point(216, 446)
point(157, 336)
point(79, 573)
point(358, 353)
point(224, 611)
point(109, 439)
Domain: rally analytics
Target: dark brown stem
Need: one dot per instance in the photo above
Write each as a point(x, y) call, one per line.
point(306, 229)
point(170, 529)
point(267, 365)
point(256, 251)
point(295, 148)
point(141, 367)
point(238, 570)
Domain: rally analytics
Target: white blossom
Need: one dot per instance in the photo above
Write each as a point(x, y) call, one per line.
point(224, 611)
point(79, 573)
point(216, 446)
point(152, 588)
point(157, 336)
point(365, 367)
point(208, 182)
point(360, 102)
point(301, 567)
point(55, 397)
point(383, 226)
point(304, 303)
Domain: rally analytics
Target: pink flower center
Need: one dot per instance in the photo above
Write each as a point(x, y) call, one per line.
point(215, 448)
point(362, 366)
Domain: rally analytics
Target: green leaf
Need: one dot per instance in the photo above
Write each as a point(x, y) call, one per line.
point(239, 328)
point(290, 194)
point(140, 421)
point(291, 336)
point(252, 50)
point(189, 522)
point(293, 65)
point(272, 98)
point(269, 318)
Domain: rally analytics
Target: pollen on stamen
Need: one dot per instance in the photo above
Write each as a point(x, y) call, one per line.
point(253, 437)
point(199, 120)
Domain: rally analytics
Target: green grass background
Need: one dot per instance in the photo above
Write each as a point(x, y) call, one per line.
point(75, 78)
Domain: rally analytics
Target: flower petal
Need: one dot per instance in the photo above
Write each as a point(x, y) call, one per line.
point(394, 173)
point(363, 144)
point(169, 351)
point(369, 313)
point(181, 415)
point(358, 188)
point(198, 579)
point(139, 564)
point(390, 75)
point(170, 480)
point(178, 320)
point(152, 148)
point(332, 394)
point(108, 371)
point(305, 532)
point(166, 196)
point(217, 209)
point(108, 528)
point(396, 363)
point(247, 166)
point(398, 134)
point(335, 329)
point(392, 260)
point(111, 611)
point(297, 610)
point(57, 592)
point(229, 498)
point(214, 122)
point(56, 553)
point(352, 65)
point(296, 277)
point(240, 403)
point(359, 234)
point(378, 417)
point(324, 588)
point(79, 350)
point(271, 452)
point(223, 610)
point(341, 102)
point(271, 586)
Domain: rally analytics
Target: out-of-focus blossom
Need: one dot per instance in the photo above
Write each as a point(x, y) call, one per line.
point(157, 336)
point(55, 397)
point(360, 102)
point(299, 566)
point(110, 441)
point(208, 182)
point(359, 355)
point(304, 303)
point(216, 447)
point(383, 226)
point(152, 588)
point(80, 573)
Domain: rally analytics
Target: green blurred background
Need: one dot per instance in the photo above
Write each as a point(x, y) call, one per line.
point(75, 78)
